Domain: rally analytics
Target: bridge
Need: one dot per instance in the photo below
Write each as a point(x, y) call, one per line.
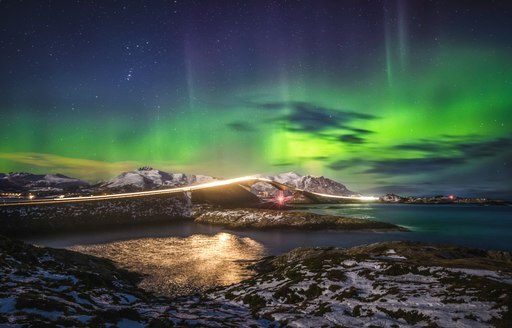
point(235, 192)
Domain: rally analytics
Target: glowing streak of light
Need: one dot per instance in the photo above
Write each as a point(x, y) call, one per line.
point(213, 184)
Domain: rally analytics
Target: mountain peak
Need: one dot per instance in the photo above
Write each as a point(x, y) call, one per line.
point(22, 181)
point(287, 176)
point(145, 168)
point(147, 178)
point(309, 183)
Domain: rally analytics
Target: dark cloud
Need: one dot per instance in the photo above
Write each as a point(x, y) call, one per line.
point(425, 146)
point(311, 120)
point(271, 105)
point(469, 147)
point(439, 155)
point(241, 126)
point(360, 131)
point(319, 158)
point(352, 138)
point(406, 166)
point(309, 117)
point(282, 164)
point(338, 165)
point(449, 150)
point(485, 148)
point(345, 164)
point(402, 190)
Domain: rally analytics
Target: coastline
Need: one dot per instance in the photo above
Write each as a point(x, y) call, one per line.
point(367, 284)
point(265, 219)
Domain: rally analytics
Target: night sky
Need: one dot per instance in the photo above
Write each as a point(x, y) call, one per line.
point(412, 97)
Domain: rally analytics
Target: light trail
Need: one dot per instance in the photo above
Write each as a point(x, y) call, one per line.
point(248, 179)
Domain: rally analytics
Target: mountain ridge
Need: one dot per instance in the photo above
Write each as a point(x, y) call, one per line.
point(148, 178)
point(318, 184)
point(24, 181)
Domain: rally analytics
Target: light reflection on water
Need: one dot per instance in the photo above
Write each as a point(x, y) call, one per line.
point(177, 266)
point(182, 257)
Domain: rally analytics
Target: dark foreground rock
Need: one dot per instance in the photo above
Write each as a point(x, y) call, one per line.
point(28, 220)
point(276, 219)
point(394, 284)
point(45, 287)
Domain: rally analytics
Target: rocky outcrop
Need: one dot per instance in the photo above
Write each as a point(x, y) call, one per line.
point(277, 219)
point(41, 183)
point(147, 178)
point(386, 284)
point(45, 287)
point(391, 284)
point(20, 220)
point(310, 183)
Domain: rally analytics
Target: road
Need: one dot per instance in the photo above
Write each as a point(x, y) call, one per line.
point(249, 180)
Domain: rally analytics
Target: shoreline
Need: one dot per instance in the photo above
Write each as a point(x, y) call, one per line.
point(336, 286)
point(265, 219)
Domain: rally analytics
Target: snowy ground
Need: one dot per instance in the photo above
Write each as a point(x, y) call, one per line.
point(272, 219)
point(382, 285)
point(48, 287)
point(385, 290)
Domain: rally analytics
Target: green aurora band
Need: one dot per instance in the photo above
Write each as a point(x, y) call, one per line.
point(418, 117)
point(463, 93)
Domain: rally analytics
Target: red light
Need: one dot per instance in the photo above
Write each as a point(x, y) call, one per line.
point(280, 199)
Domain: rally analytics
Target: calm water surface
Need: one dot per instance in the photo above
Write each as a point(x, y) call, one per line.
point(183, 257)
point(182, 265)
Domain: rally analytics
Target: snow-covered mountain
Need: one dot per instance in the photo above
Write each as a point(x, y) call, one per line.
point(147, 178)
point(307, 182)
point(22, 181)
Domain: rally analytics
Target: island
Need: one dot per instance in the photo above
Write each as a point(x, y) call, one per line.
point(287, 219)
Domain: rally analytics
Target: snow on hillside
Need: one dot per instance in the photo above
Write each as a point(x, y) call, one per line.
point(22, 181)
point(377, 286)
point(149, 178)
point(309, 183)
point(198, 179)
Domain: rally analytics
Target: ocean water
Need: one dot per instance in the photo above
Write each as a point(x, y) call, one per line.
point(488, 227)
point(480, 226)
point(183, 257)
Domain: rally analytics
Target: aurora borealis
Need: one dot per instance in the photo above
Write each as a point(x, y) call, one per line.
point(413, 97)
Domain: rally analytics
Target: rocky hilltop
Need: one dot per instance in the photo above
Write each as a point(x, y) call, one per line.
point(45, 287)
point(20, 220)
point(42, 183)
point(144, 178)
point(320, 185)
point(277, 219)
point(393, 284)
point(147, 178)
